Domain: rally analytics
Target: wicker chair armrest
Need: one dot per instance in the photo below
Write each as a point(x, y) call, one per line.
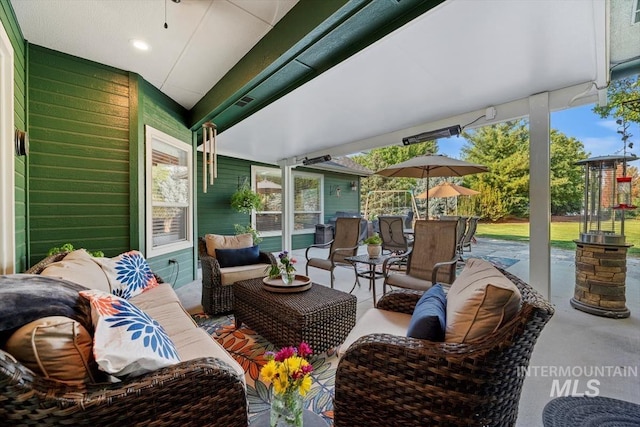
point(44, 263)
point(400, 300)
point(317, 246)
point(176, 395)
point(267, 258)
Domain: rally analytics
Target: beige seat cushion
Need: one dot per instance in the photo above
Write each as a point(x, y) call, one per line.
point(56, 347)
point(480, 300)
point(162, 304)
point(376, 321)
point(218, 241)
point(230, 275)
point(79, 267)
point(196, 343)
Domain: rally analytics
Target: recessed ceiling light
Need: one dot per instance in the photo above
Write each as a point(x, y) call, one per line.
point(139, 44)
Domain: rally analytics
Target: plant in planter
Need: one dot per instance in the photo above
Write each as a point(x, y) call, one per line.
point(245, 200)
point(374, 245)
point(242, 229)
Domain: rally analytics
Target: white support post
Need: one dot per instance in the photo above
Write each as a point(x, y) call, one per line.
point(287, 204)
point(540, 194)
point(7, 158)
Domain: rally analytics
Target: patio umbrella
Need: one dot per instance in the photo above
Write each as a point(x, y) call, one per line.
point(266, 186)
point(447, 189)
point(432, 166)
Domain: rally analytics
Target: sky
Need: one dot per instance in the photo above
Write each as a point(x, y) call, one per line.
point(599, 136)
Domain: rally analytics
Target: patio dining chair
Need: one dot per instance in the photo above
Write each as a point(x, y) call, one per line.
point(469, 235)
point(461, 230)
point(431, 259)
point(344, 244)
point(392, 233)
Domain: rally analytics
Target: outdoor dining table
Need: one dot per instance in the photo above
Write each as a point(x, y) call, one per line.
point(371, 273)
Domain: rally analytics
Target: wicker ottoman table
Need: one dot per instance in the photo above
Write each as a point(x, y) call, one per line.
point(320, 316)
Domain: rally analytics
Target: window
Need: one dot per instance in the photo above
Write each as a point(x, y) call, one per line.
point(168, 193)
point(635, 18)
point(307, 201)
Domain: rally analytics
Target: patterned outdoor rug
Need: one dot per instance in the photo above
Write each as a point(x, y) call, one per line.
point(248, 348)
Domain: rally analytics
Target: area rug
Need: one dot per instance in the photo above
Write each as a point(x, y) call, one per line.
point(248, 348)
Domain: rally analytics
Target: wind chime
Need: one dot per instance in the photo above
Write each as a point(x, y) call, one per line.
point(209, 157)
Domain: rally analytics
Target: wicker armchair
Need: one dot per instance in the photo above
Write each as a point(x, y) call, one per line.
point(386, 380)
point(217, 297)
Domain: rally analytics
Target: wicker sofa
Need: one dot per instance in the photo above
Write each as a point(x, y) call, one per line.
point(390, 378)
point(205, 388)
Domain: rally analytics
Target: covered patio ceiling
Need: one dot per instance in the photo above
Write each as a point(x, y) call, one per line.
point(446, 67)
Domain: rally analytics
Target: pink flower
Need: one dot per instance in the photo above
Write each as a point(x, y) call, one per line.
point(306, 369)
point(304, 350)
point(285, 353)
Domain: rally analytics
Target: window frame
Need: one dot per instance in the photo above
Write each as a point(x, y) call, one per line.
point(635, 15)
point(151, 135)
point(255, 170)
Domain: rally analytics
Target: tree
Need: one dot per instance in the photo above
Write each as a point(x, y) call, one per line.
point(504, 149)
point(624, 100)
point(381, 158)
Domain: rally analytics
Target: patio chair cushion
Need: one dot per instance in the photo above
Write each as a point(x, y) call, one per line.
point(56, 347)
point(377, 321)
point(428, 320)
point(79, 267)
point(238, 257)
point(480, 300)
point(218, 241)
point(127, 341)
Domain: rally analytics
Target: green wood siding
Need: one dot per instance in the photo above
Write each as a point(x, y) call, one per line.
point(79, 154)
point(348, 201)
point(11, 27)
point(162, 113)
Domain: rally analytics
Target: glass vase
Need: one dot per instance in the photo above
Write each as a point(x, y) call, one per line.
point(287, 277)
point(286, 409)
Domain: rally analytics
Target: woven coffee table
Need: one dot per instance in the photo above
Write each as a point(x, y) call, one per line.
point(320, 316)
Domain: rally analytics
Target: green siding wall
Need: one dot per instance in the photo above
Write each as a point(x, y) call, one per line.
point(216, 216)
point(79, 154)
point(11, 27)
point(162, 113)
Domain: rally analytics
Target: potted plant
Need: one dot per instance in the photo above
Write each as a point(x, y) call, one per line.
point(245, 200)
point(374, 245)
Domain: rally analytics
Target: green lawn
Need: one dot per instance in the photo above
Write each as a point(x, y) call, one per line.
point(562, 233)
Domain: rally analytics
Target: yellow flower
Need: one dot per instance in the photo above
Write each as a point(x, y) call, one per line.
point(268, 371)
point(305, 385)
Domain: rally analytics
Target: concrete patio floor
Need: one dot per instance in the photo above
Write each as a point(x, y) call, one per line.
point(578, 351)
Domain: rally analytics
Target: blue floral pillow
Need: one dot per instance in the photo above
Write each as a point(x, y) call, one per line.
point(127, 341)
point(428, 321)
point(129, 274)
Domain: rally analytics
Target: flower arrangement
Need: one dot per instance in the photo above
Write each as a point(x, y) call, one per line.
point(285, 266)
point(289, 372)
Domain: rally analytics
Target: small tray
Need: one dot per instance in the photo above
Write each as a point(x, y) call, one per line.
point(300, 284)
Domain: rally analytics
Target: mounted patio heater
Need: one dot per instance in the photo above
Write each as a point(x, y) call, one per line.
point(601, 254)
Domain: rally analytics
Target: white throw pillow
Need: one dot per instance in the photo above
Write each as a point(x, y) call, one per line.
point(129, 274)
point(127, 341)
point(81, 268)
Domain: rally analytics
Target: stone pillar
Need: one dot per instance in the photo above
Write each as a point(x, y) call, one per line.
point(601, 273)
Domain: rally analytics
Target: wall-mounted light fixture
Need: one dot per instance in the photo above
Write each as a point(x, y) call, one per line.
point(354, 186)
point(320, 159)
point(334, 190)
point(21, 142)
point(432, 134)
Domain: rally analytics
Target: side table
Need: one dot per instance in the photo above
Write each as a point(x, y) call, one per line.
point(371, 272)
point(309, 419)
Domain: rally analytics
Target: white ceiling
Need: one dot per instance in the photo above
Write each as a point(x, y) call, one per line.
point(204, 38)
point(445, 67)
